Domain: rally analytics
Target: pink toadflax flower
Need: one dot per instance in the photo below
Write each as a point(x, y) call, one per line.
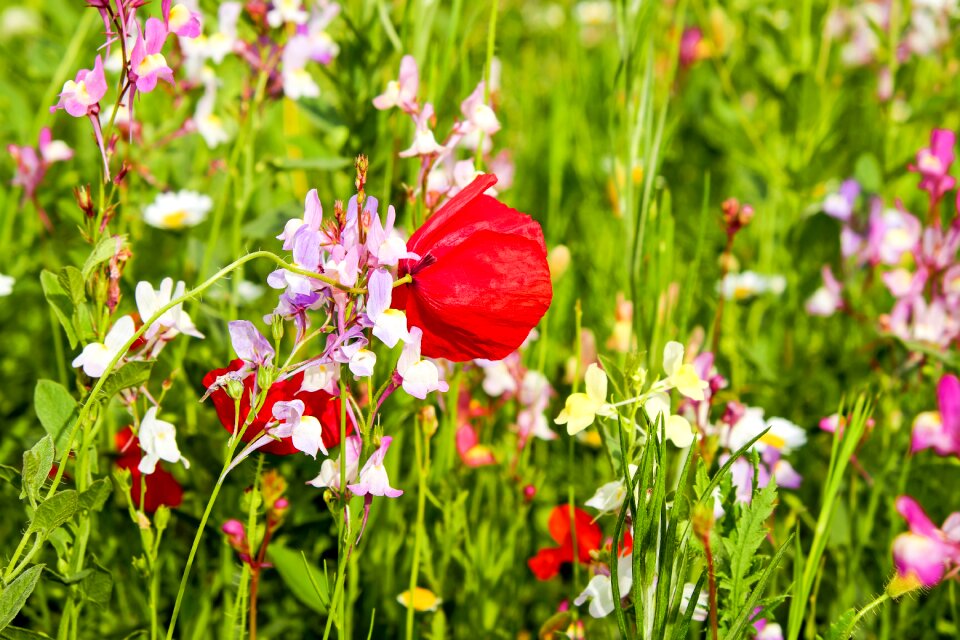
point(401, 92)
point(81, 96)
point(925, 552)
point(933, 165)
point(940, 430)
point(180, 20)
point(147, 64)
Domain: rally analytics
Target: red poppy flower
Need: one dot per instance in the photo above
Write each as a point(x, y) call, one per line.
point(547, 562)
point(319, 404)
point(482, 282)
point(161, 487)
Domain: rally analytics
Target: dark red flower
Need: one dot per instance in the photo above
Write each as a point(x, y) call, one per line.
point(161, 487)
point(547, 562)
point(482, 282)
point(319, 404)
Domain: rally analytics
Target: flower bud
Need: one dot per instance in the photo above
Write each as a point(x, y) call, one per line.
point(559, 261)
point(428, 418)
point(84, 200)
point(900, 585)
point(702, 520)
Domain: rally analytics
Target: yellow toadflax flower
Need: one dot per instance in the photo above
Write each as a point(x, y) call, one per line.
point(422, 600)
point(682, 376)
point(582, 409)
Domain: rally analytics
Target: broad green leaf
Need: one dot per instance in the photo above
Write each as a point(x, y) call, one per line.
point(129, 375)
point(15, 595)
point(37, 463)
point(72, 283)
point(55, 511)
point(95, 496)
point(97, 586)
point(105, 249)
point(61, 304)
point(294, 573)
point(56, 410)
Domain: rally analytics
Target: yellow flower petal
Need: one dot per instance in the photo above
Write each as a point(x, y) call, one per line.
point(422, 600)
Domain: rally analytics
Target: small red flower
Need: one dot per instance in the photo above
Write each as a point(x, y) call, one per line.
point(161, 487)
point(482, 282)
point(319, 404)
point(546, 564)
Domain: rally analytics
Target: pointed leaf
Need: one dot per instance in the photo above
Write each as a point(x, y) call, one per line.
point(15, 594)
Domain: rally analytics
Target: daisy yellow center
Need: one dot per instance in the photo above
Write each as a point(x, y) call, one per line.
point(741, 291)
point(175, 219)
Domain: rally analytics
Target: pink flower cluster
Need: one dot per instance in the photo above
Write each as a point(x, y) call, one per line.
point(916, 262)
point(442, 174)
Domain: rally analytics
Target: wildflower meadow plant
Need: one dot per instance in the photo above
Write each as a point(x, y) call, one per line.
point(479, 320)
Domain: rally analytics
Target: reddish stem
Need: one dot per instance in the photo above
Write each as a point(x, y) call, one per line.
point(714, 624)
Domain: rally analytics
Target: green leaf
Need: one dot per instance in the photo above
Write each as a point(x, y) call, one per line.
point(105, 249)
point(751, 530)
point(97, 586)
point(37, 463)
point(293, 571)
point(18, 633)
point(56, 409)
point(8, 473)
point(746, 616)
point(72, 283)
point(868, 173)
point(60, 303)
point(15, 595)
point(96, 495)
point(843, 628)
point(55, 511)
point(132, 374)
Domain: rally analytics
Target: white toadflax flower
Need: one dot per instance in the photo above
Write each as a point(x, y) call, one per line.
point(158, 439)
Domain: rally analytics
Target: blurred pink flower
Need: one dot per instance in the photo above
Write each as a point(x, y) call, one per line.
point(933, 165)
point(940, 430)
point(925, 552)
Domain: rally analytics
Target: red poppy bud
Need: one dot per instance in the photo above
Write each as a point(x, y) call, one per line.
point(162, 489)
point(482, 282)
point(319, 404)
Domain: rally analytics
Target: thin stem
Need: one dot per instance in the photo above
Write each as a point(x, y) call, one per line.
point(418, 536)
point(712, 579)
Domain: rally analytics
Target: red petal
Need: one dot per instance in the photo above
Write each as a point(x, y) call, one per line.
point(482, 299)
point(546, 563)
point(482, 282)
point(319, 404)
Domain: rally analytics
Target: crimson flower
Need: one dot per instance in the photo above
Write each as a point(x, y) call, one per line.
point(546, 564)
point(482, 282)
point(319, 404)
point(161, 487)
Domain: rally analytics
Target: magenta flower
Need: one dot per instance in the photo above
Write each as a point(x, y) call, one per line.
point(893, 232)
point(403, 91)
point(925, 552)
point(373, 477)
point(933, 165)
point(147, 64)
point(940, 430)
point(81, 96)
